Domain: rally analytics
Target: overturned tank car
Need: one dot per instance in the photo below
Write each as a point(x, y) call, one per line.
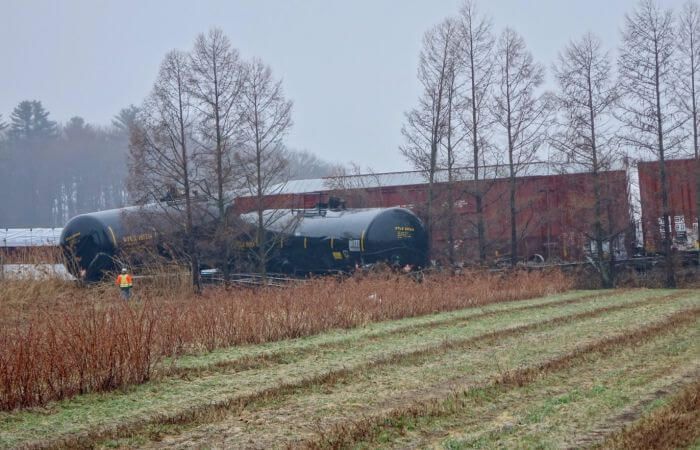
point(99, 242)
point(296, 242)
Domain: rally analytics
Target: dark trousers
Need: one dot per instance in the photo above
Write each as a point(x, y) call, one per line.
point(126, 293)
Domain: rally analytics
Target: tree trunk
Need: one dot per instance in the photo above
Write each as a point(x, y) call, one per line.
point(511, 164)
point(450, 211)
point(667, 241)
point(194, 269)
point(513, 225)
point(602, 262)
point(190, 244)
point(612, 273)
point(262, 245)
point(697, 203)
point(431, 188)
point(480, 228)
point(450, 180)
point(695, 144)
point(480, 225)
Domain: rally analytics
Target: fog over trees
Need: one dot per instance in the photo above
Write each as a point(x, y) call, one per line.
point(50, 172)
point(208, 112)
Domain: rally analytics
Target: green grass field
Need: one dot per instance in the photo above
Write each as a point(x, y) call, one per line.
point(581, 369)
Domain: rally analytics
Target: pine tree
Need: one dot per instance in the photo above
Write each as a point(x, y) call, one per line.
point(31, 134)
point(30, 121)
point(124, 121)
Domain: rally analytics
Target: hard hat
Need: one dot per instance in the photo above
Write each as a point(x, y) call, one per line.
point(124, 270)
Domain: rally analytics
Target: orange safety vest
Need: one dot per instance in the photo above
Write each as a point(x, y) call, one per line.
point(124, 281)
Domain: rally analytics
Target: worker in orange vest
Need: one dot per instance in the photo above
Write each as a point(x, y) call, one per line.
point(125, 284)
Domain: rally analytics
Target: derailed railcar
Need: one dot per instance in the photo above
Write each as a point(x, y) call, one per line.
point(302, 242)
point(326, 241)
point(99, 242)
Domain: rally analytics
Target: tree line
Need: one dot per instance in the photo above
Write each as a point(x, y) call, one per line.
point(483, 105)
point(50, 172)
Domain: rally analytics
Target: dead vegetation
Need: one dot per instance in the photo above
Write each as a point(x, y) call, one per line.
point(58, 341)
point(31, 255)
point(675, 425)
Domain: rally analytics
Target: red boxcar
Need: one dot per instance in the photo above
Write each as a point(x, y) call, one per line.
point(682, 195)
point(555, 212)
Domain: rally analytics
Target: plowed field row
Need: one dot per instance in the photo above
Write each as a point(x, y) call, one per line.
point(408, 382)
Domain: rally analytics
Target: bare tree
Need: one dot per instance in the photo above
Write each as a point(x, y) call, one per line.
point(454, 136)
point(304, 164)
point(425, 124)
point(161, 159)
point(267, 117)
point(476, 49)
point(649, 111)
point(216, 86)
point(521, 113)
point(357, 186)
point(585, 135)
point(689, 49)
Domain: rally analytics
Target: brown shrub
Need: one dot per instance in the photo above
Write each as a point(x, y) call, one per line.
point(31, 255)
point(60, 340)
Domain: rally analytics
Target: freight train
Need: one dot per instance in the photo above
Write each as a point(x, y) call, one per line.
point(300, 242)
point(555, 208)
point(313, 235)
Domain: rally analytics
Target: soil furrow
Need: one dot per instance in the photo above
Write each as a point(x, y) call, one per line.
point(675, 425)
point(214, 411)
point(269, 359)
point(572, 408)
point(612, 426)
point(345, 434)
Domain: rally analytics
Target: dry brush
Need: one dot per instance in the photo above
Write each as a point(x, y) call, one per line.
point(60, 341)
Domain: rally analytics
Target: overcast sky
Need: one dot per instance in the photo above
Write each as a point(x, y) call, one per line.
point(349, 66)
